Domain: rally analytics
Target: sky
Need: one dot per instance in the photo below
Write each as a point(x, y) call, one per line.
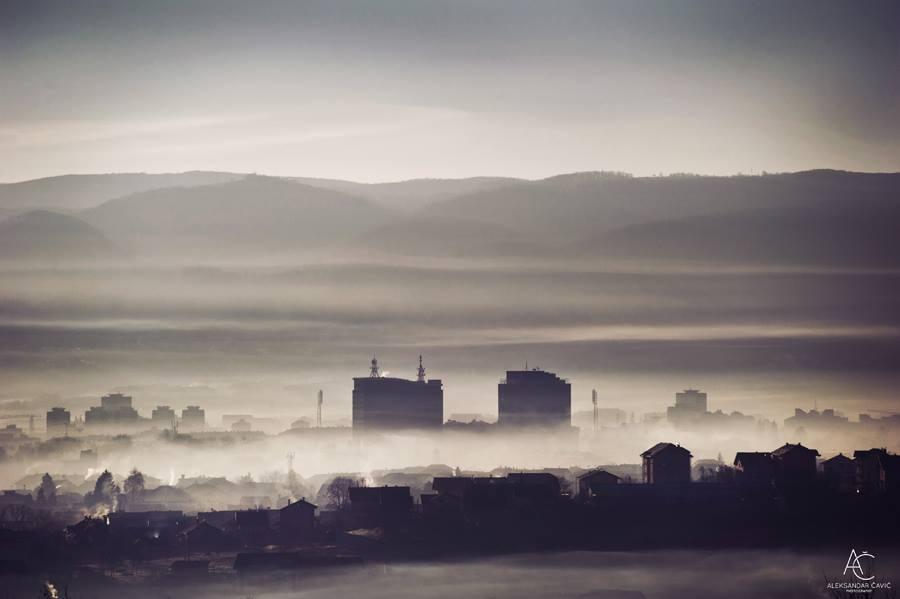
point(378, 91)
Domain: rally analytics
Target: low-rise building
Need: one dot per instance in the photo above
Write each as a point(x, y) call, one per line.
point(377, 506)
point(840, 473)
point(795, 463)
point(754, 468)
point(590, 482)
point(666, 463)
point(297, 520)
point(877, 471)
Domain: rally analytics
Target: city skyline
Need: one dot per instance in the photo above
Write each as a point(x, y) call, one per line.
point(449, 298)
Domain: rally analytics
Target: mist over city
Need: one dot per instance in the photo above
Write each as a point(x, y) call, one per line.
point(405, 299)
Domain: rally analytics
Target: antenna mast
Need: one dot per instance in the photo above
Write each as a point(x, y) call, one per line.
point(421, 371)
point(373, 370)
point(319, 409)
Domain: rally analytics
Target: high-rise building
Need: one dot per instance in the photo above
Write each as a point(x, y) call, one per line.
point(690, 406)
point(58, 422)
point(192, 417)
point(534, 398)
point(387, 403)
point(114, 408)
point(163, 416)
point(691, 399)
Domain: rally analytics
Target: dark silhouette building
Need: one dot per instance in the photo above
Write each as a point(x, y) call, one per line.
point(877, 471)
point(204, 537)
point(478, 494)
point(534, 398)
point(666, 463)
point(58, 422)
point(377, 506)
point(840, 473)
point(297, 519)
point(795, 463)
point(388, 403)
point(253, 526)
point(754, 468)
point(590, 482)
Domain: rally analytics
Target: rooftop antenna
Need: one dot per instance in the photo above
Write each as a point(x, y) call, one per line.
point(373, 370)
point(421, 371)
point(319, 409)
point(596, 411)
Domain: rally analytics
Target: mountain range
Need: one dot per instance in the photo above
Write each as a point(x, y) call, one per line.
point(815, 218)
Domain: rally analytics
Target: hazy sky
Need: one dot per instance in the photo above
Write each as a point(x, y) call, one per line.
point(391, 89)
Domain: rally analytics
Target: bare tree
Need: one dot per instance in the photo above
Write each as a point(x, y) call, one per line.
point(337, 493)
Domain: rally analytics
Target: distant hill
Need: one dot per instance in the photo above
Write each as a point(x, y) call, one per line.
point(44, 236)
point(858, 233)
point(813, 217)
point(244, 217)
point(77, 192)
point(70, 193)
point(568, 207)
point(446, 237)
point(412, 194)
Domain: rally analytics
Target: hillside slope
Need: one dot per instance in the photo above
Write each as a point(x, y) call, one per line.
point(45, 236)
point(77, 192)
point(252, 215)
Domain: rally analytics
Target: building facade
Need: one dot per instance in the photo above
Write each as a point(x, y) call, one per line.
point(163, 416)
point(690, 406)
point(58, 422)
point(193, 418)
point(590, 482)
point(666, 463)
point(529, 398)
point(388, 403)
point(795, 463)
point(114, 408)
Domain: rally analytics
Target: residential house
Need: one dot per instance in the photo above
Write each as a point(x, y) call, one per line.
point(666, 463)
